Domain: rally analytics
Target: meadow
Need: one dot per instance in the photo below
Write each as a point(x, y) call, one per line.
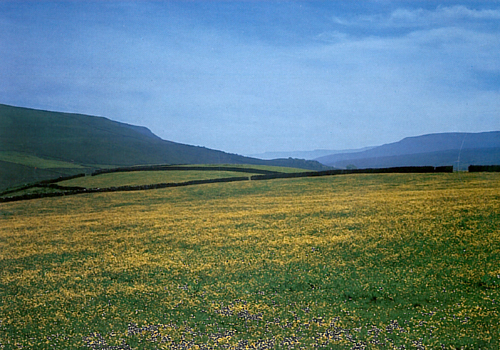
point(145, 178)
point(134, 178)
point(365, 261)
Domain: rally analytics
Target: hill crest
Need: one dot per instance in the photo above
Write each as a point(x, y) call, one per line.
point(458, 148)
point(97, 142)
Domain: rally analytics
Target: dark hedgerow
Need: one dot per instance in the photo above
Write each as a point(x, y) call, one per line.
point(487, 168)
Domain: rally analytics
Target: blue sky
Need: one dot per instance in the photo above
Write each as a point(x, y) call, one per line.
point(253, 76)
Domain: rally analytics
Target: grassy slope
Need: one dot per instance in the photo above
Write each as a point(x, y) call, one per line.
point(386, 260)
point(95, 141)
point(279, 169)
point(36, 162)
point(14, 174)
point(86, 140)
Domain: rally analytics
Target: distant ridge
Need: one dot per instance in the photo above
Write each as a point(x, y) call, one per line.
point(457, 149)
point(309, 155)
point(37, 145)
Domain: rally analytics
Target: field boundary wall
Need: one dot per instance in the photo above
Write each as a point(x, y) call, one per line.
point(66, 190)
point(483, 168)
point(393, 170)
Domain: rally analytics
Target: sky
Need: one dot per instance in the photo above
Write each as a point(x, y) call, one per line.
point(248, 77)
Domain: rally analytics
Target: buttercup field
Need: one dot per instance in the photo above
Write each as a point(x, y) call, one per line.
point(362, 261)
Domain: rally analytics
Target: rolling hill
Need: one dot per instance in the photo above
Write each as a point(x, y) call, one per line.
point(37, 145)
point(309, 155)
point(457, 149)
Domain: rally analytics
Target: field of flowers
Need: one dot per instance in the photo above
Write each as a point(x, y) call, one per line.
point(383, 261)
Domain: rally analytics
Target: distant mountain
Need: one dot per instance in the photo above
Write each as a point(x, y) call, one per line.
point(309, 155)
point(457, 149)
point(36, 145)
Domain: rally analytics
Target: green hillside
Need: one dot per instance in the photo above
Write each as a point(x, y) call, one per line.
point(37, 145)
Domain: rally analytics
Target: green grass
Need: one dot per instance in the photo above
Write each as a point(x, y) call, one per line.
point(34, 161)
point(279, 169)
point(369, 261)
point(166, 176)
point(146, 177)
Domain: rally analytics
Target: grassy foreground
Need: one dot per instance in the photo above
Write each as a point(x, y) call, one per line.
point(386, 261)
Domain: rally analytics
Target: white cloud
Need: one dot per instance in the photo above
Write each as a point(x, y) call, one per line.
point(442, 16)
point(420, 17)
point(460, 11)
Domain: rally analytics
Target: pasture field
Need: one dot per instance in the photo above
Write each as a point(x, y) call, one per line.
point(135, 178)
point(365, 261)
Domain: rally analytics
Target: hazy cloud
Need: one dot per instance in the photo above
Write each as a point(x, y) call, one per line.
point(421, 17)
point(441, 16)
